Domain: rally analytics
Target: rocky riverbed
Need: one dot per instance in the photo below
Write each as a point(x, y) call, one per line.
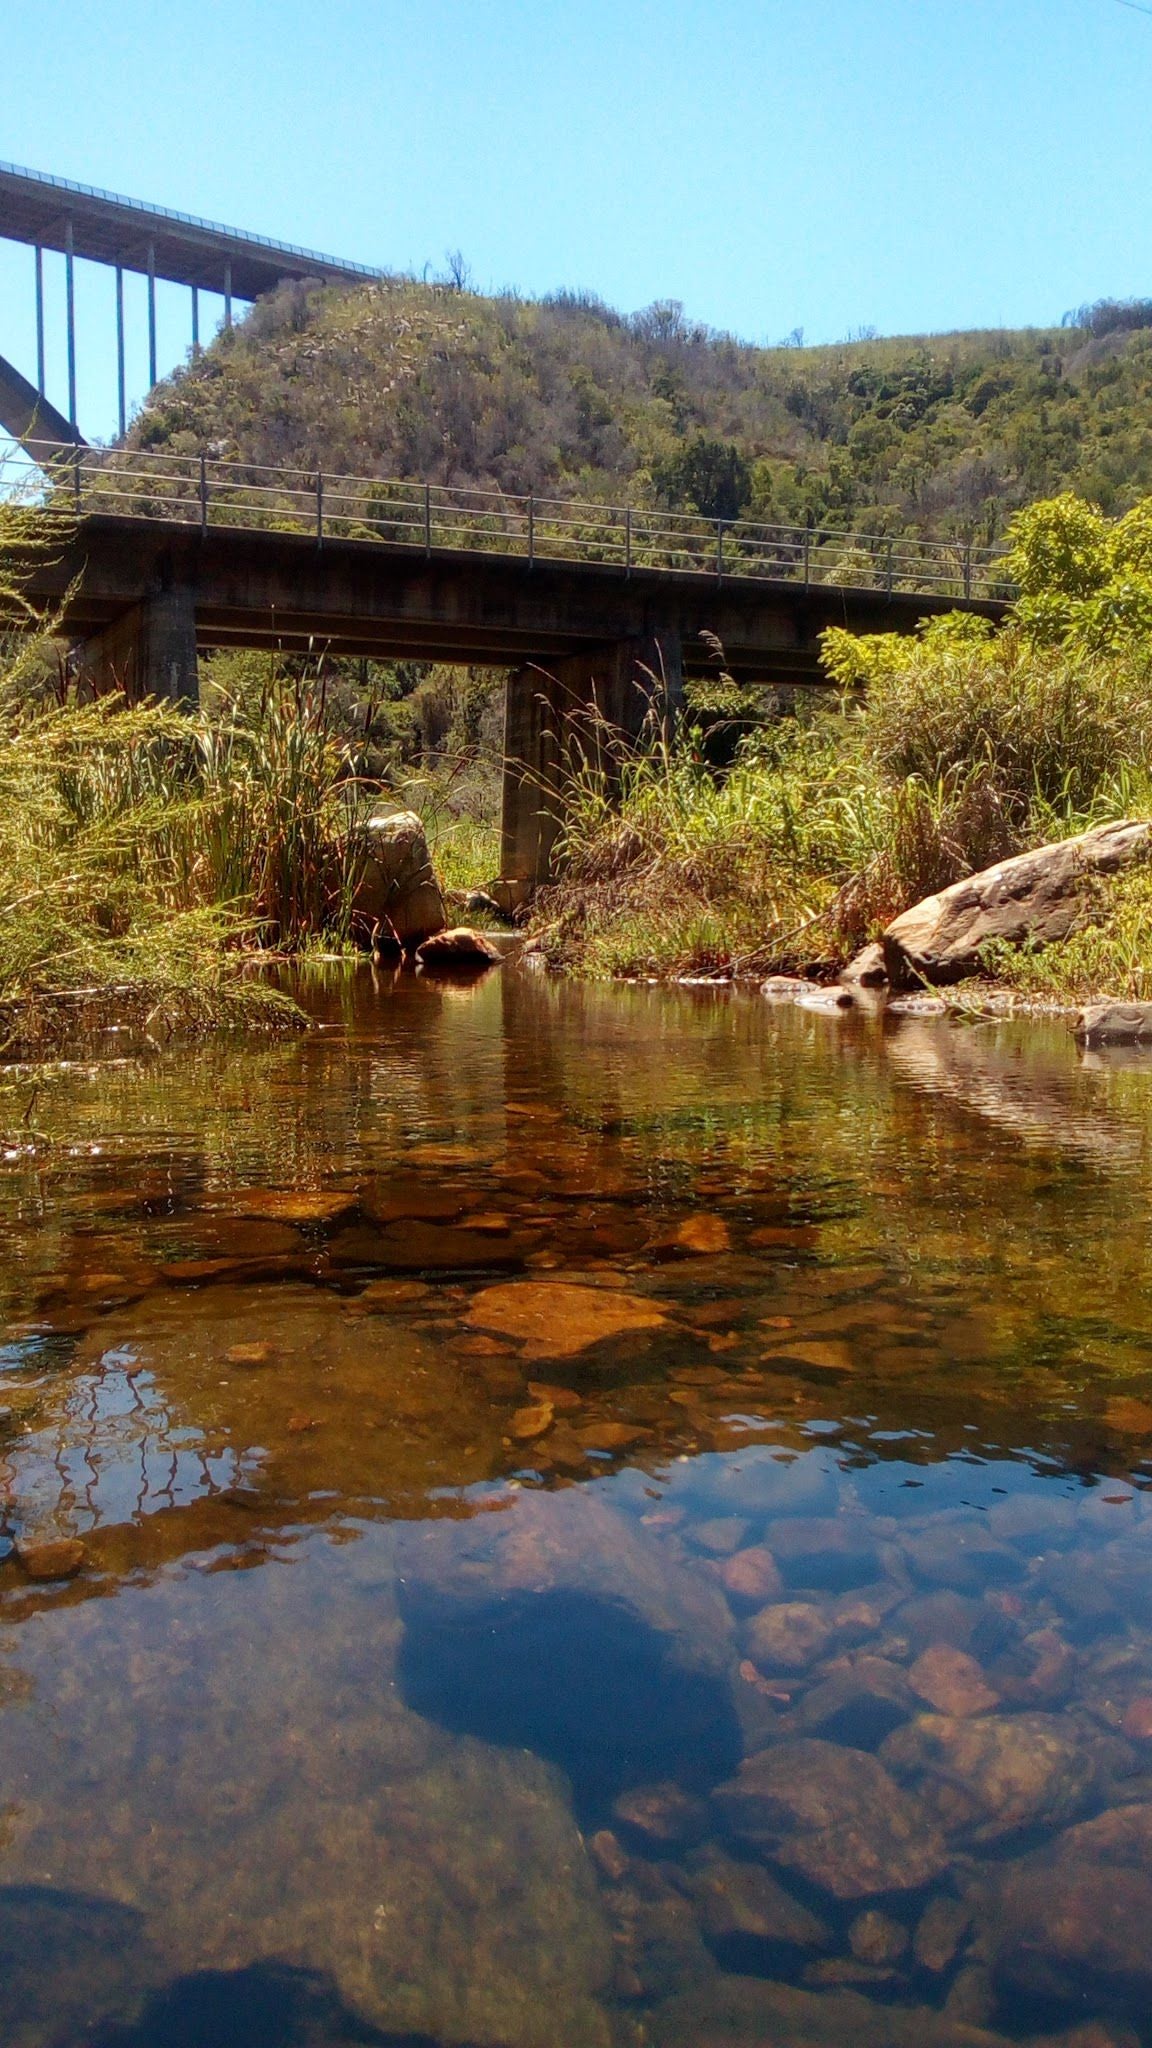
point(509, 1541)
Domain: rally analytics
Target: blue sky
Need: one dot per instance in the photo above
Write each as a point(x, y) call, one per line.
point(908, 165)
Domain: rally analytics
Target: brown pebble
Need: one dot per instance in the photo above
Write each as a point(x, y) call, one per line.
point(662, 1813)
point(695, 1237)
point(559, 1397)
point(248, 1354)
point(877, 1938)
point(943, 1925)
point(613, 1436)
point(606, 1851)
point(951, 1681)
point(531, 1422)
point(390, 1294)
point(60, 1558)
point(297, 1424)
point(1137, 1721)
point(752, 1575)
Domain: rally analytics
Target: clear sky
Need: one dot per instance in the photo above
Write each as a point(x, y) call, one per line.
point(908, 165)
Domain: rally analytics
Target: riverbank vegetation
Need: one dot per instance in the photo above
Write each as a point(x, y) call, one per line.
point(930, 758)
point(152, 857)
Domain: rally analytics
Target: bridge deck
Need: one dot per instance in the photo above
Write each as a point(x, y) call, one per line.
point(107, 228)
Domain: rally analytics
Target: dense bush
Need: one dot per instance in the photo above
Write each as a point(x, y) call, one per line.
point(949, 750)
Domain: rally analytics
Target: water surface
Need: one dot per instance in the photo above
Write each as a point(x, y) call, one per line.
point(540, 1515)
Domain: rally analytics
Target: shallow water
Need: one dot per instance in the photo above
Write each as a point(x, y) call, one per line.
point(608, 1517)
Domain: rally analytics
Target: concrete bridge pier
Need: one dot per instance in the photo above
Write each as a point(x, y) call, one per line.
point(564, 713)
point(149, 650)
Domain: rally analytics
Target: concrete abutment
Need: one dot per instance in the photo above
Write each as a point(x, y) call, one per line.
point(149, 651)
point(565, 713)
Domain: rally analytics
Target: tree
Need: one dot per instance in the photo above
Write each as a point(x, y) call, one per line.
point(706, 476)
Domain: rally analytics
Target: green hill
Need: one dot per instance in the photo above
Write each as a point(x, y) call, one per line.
point(944, 434)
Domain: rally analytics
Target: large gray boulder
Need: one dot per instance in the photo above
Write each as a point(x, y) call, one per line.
point(397, 888)
point(1036, 896)
point(1115, 1024)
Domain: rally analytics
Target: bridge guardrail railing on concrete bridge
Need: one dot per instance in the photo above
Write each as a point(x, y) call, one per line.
point(211, 492)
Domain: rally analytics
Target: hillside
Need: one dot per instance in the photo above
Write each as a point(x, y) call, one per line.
point(945, 434)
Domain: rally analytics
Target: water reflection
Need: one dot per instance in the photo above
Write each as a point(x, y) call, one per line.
point(606, 1516)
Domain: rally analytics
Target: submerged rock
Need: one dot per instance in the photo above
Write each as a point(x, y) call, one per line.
point(1078, 1914)
point(749, 2012)
point(59, 1558)
point(952, 1681)
point(788, 1636)
point(695, 1236)
point(288, 1205)
point(561, 1625)
point(558, 1318)
point(750, 1577)
point(439, 1884)
point(989, 1777)
point(662, 1814)
point(877, 1938)
point(734, 1898)
point(1036, 896)
point(836, 1817)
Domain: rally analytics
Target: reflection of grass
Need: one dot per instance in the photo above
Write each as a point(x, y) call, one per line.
point(1111, 955)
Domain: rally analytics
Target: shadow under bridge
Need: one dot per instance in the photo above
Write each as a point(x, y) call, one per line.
point(590, 607)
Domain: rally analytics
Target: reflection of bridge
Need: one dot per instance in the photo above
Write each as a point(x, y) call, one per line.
point(80, 223)
point(169, 554)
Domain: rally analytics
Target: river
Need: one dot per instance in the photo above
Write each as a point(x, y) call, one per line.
point(544, 1516)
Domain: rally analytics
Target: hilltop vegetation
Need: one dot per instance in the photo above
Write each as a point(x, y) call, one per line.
point(941, 435)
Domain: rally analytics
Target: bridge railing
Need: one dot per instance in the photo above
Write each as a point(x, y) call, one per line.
point(210, 492)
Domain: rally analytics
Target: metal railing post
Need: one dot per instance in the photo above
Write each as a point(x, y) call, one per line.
point(531, 529)
point(203, 494)
point(628, 541)
point(719, 550)
point(888, 570)
point(76, 478)
point(807, 553)
point(968, 569)
point(428, 519)
point(319, 506)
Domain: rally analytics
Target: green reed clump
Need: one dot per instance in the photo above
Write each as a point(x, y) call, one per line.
point(280, 800)
point(96, 813)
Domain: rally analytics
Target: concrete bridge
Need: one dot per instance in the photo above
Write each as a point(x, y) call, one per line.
point(55, 217)
point(593, 608)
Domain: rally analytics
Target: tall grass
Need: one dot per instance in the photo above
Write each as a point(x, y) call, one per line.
point(96, 820)
point(963, 751)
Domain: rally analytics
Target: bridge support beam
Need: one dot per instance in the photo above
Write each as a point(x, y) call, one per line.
point(149, 651)
point(560, 714)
